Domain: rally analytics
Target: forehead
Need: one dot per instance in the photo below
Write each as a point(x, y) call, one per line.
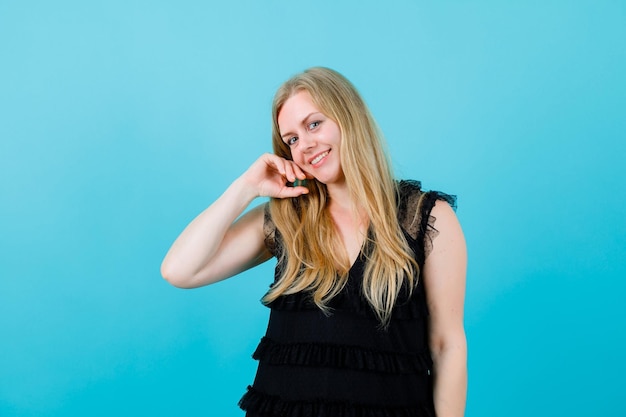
point(296, 109)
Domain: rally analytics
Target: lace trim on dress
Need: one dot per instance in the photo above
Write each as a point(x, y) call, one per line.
point(267, 405)
point(340, 356)
point(414, 208)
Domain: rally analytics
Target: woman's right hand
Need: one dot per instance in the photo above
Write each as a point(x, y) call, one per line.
point(269, 175)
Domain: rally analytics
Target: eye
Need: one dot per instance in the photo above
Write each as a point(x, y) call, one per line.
point(313, 125)
point(292, 140)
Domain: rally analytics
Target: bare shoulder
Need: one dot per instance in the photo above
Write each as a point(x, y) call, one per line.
point(449, 243)
point(447, 225)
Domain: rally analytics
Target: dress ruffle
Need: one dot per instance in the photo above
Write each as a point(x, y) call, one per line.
point(339, 356)
point(260, 404)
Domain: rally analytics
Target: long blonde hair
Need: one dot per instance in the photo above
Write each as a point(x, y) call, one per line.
point(314, 258)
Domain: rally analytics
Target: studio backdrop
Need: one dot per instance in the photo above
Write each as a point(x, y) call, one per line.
point(122, 120)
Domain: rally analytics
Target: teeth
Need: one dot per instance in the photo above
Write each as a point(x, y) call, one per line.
point(319, 158)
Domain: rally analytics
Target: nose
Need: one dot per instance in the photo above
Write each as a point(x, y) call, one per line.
point(307, 141)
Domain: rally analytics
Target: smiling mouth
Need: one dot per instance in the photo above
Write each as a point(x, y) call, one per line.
point(319, 157)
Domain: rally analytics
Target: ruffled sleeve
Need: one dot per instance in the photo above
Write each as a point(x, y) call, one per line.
point(414, 214)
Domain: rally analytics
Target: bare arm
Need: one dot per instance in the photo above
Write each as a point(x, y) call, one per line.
point(444, 278)
point(216, 245)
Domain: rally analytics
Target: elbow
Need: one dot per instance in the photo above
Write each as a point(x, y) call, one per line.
point(174, 277)
point(454, 343)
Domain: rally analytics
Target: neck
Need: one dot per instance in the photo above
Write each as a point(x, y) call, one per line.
point(339, 196)
point(341, 206)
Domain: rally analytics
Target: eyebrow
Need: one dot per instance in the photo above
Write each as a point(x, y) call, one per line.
point(302, 122)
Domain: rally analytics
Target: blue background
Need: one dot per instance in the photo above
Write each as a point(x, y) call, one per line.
point(121, 120)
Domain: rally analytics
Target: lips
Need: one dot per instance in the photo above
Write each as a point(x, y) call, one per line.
point(318, 158)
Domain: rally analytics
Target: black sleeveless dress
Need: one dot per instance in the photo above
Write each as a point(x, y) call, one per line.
point(344, 364)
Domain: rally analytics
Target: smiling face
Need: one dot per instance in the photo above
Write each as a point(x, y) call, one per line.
point(313, 138)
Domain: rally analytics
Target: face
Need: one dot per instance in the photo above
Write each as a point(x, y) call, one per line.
point(313, 138)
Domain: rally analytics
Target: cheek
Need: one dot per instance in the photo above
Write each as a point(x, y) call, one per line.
point(297, 157)
point(338, 135)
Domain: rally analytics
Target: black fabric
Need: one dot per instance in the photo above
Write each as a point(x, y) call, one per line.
point(344, 364)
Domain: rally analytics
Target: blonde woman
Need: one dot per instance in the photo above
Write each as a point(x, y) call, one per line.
point(367, 302)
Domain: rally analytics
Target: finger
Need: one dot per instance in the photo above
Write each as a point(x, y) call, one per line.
point(300, 173)
point(297, 171)
point(305, 174)
point(301, 189)
point(278, 164)
point(291, 192)
point(290, 172)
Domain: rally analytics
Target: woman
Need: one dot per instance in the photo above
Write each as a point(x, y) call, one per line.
point(367, 302)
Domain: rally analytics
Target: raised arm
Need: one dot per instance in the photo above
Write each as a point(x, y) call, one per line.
point(216, 245)
point(444, 279)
